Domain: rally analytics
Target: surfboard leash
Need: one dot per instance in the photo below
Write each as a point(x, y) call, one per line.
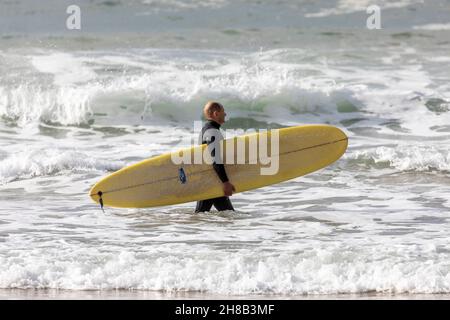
point(100, 200)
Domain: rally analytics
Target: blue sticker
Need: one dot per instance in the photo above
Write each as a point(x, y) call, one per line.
point(182, 176)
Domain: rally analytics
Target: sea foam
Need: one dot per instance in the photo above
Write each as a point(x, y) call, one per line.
point(334, 269)
point(50, 162)
point(419, 158)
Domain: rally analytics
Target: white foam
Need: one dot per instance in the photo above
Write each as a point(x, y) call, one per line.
point(439, 59)
point(49, 162)
point(32, 103)
point(351, 6)
point(167, 85)
point(433, 27)
point(407, 157)
point(164, 88)
point(336, 268)
point(66, 68)
point(175, 5)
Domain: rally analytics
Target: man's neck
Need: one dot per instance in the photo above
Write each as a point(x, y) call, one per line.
point(214, 122)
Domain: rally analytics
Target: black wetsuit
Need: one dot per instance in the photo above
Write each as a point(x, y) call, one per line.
point(209, 133)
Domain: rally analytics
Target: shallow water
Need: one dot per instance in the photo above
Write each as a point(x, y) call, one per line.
point(52, 294)
point(75, 108)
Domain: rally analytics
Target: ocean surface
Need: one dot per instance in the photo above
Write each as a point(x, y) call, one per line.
point(76, 105)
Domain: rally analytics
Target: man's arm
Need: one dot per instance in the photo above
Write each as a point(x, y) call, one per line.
point(219, 168)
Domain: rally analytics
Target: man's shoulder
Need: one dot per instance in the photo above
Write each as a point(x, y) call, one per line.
point(210, 132)
point(211, 124)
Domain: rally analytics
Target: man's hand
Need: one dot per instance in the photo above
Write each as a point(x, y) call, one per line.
point(228, 188)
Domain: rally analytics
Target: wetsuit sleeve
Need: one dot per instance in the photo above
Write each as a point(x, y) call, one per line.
point(219, 168)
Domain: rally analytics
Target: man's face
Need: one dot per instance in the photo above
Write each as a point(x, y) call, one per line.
point(219, 116)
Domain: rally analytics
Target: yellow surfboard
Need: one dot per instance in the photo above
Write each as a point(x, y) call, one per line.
point(161, 181)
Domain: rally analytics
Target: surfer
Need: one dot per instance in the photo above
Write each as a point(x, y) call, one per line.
point(215, 114)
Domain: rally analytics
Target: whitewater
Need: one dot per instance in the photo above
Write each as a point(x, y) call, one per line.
point(74, 108)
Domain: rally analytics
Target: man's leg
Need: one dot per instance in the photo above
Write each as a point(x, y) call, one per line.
point(223, 203)
point(204, 205)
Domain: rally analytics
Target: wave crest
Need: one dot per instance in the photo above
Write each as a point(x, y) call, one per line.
point(40, 163)
point(404, 158)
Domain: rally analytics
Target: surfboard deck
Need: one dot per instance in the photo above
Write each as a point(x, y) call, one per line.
point(157, 181)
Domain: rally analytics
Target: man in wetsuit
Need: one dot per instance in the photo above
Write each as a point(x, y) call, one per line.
point(215, 117)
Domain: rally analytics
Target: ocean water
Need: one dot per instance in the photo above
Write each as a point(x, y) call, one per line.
point(76, 105)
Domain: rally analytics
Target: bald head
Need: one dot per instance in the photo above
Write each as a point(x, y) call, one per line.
point(210, 108)
point(214, 111)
